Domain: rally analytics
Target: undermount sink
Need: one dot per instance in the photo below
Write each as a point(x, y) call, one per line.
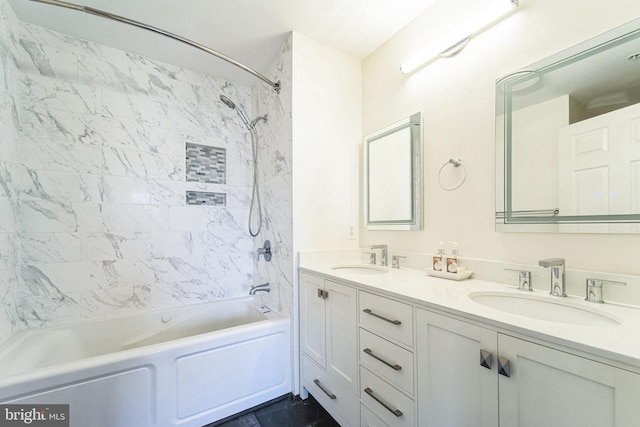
point(360, 269)
point(552, 309)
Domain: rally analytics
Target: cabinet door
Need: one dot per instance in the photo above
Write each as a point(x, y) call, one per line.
point(342, 332)
point(551, 388)
point(454, 388)
point(312, 318)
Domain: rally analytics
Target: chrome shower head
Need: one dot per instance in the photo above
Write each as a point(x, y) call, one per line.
point(229, 103)
point(255, 193)
point(243, 116)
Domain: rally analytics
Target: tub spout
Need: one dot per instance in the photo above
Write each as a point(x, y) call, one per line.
point(265, 287)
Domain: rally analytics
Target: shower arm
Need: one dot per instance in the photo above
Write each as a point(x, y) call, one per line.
point(108, 15)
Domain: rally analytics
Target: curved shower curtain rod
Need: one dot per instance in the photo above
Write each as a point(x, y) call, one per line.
point(103, 14)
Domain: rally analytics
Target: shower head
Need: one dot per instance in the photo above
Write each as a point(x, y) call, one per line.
point(255, 193)
point(229, 103)
point(250, 125)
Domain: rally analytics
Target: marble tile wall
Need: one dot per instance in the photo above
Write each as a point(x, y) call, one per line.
point(100, 183)
point(9, 220)
point(276, 184)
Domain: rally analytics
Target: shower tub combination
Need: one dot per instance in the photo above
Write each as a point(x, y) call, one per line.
point(187, 366)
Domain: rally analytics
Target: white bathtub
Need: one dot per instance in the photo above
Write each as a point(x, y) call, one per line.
point(187, 366)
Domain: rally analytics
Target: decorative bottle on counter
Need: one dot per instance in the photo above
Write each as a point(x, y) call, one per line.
point(439, 258)
point(452, 260)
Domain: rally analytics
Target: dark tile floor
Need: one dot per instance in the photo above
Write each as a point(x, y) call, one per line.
point(286, 411)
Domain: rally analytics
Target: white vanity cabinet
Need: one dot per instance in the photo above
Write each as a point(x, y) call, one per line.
point(472, 376)
point(454, 389)
point(376, 359)
point(328, 340)
point(387, 374)
point(553, 388)
point(369, 419)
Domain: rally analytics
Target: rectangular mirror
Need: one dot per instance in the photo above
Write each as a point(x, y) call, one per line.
point(568, 139)
point(393, 176)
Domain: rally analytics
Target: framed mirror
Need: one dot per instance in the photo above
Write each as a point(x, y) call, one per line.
point(393, 176)
point(568, 139)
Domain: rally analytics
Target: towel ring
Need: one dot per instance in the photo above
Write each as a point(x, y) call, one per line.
point(456, 163)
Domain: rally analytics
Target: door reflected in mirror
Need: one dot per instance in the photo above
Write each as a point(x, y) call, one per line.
point(568, 139)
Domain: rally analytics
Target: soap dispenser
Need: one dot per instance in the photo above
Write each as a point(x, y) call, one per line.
point(439, 258)
point(452, 260)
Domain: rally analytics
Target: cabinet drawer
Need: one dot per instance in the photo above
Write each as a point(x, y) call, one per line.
point(387, 402)
point(341, 404)
point(369, 419)
point(387, 360)
point(386, 317)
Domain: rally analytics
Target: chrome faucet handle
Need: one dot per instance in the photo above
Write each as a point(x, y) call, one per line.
point(395, 261)
point(524, 279)
point(372, 257)
point(265, 250)
point(594, 289)
point(383, 253)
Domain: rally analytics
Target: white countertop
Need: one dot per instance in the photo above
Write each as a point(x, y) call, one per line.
point(617, 343)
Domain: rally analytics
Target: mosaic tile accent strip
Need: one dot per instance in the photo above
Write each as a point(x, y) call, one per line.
point(205, 198)
point(206, 164)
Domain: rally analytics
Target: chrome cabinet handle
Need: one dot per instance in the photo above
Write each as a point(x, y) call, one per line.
point(504, 367)
point(395, 322)
point(378, 358)
point(323, 294)
point(331, 395)
point(396, 412)
point(485, 359)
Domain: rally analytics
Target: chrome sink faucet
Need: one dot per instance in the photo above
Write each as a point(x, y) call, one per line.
point(558, 285)
point(383, 254)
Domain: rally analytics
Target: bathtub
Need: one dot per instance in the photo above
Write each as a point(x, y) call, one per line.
point(187, 366)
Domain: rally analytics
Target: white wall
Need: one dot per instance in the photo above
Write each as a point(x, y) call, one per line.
point(326, 135)
point(326, 120)
point(458, 100)
point(308, 160)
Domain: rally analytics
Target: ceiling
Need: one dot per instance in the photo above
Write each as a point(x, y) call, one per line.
point(249, 31)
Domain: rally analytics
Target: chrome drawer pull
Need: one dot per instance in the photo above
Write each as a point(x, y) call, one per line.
point(396, 412)
point(331, 395)
point(395, 322)
point(392, 366)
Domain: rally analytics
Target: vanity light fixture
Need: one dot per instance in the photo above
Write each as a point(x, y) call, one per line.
point(461, 36)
